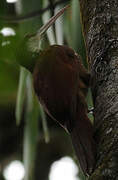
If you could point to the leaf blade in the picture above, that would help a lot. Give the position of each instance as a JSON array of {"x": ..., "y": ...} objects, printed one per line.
[{"x": 21, "y": 93}]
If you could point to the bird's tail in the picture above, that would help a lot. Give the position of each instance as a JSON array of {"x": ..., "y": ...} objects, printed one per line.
[{"x": 82, "y": 140}]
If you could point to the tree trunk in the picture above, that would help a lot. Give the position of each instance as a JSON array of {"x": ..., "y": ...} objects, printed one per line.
[{"x": 100, "y": 28}]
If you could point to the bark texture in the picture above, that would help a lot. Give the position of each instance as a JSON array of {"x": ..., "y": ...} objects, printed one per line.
[{"x": 100, "y": 28}]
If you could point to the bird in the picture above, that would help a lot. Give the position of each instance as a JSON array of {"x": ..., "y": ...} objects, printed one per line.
[{"x": 61, "y": 84}]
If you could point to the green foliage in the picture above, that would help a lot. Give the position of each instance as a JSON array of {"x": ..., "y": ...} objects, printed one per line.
[
  {"x": 73, "y": 30},
  {"x": 31, "y": 129},
  {"x": 44, "y": 124},
  {"x": 21, "y": 94}
]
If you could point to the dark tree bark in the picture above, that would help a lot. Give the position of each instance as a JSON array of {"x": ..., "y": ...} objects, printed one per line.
[{"x": 100, "y": 28}]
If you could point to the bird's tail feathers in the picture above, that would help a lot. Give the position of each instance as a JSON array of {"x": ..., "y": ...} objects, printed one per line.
[{"x": 82, "y": 139}]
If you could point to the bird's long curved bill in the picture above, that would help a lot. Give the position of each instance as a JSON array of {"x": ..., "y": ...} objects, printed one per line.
[
  {"x": 34, "y": 40},
  {"x": 45, "y": 27}
]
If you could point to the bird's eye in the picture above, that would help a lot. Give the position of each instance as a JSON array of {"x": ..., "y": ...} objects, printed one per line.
[{"x": 71, "y": 53}]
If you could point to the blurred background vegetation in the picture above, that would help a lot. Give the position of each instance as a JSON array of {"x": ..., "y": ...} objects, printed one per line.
[{"x": 26, "y": 134}]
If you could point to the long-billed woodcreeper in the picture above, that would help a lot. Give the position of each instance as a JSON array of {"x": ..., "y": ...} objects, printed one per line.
[{"x": 61, "y": 84}]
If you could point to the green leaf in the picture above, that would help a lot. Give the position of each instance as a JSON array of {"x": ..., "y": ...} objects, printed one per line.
[
  {"x": 44, "y": 124},
  {"x": 73, "y": 29},
  {"x": 21, "y": 94},
  {"x": 9, "y": 75},
  {"x": 30, "y": 130},
  {"x": 59, "y": 27},
  {"x": 76, "y": 25}
]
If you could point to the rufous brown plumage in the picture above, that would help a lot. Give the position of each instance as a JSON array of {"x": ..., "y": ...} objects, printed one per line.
[{"x": 61, "y": 84}]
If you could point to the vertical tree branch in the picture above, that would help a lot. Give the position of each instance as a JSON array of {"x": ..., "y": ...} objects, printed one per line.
[{"x": 100, "y": 28}]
